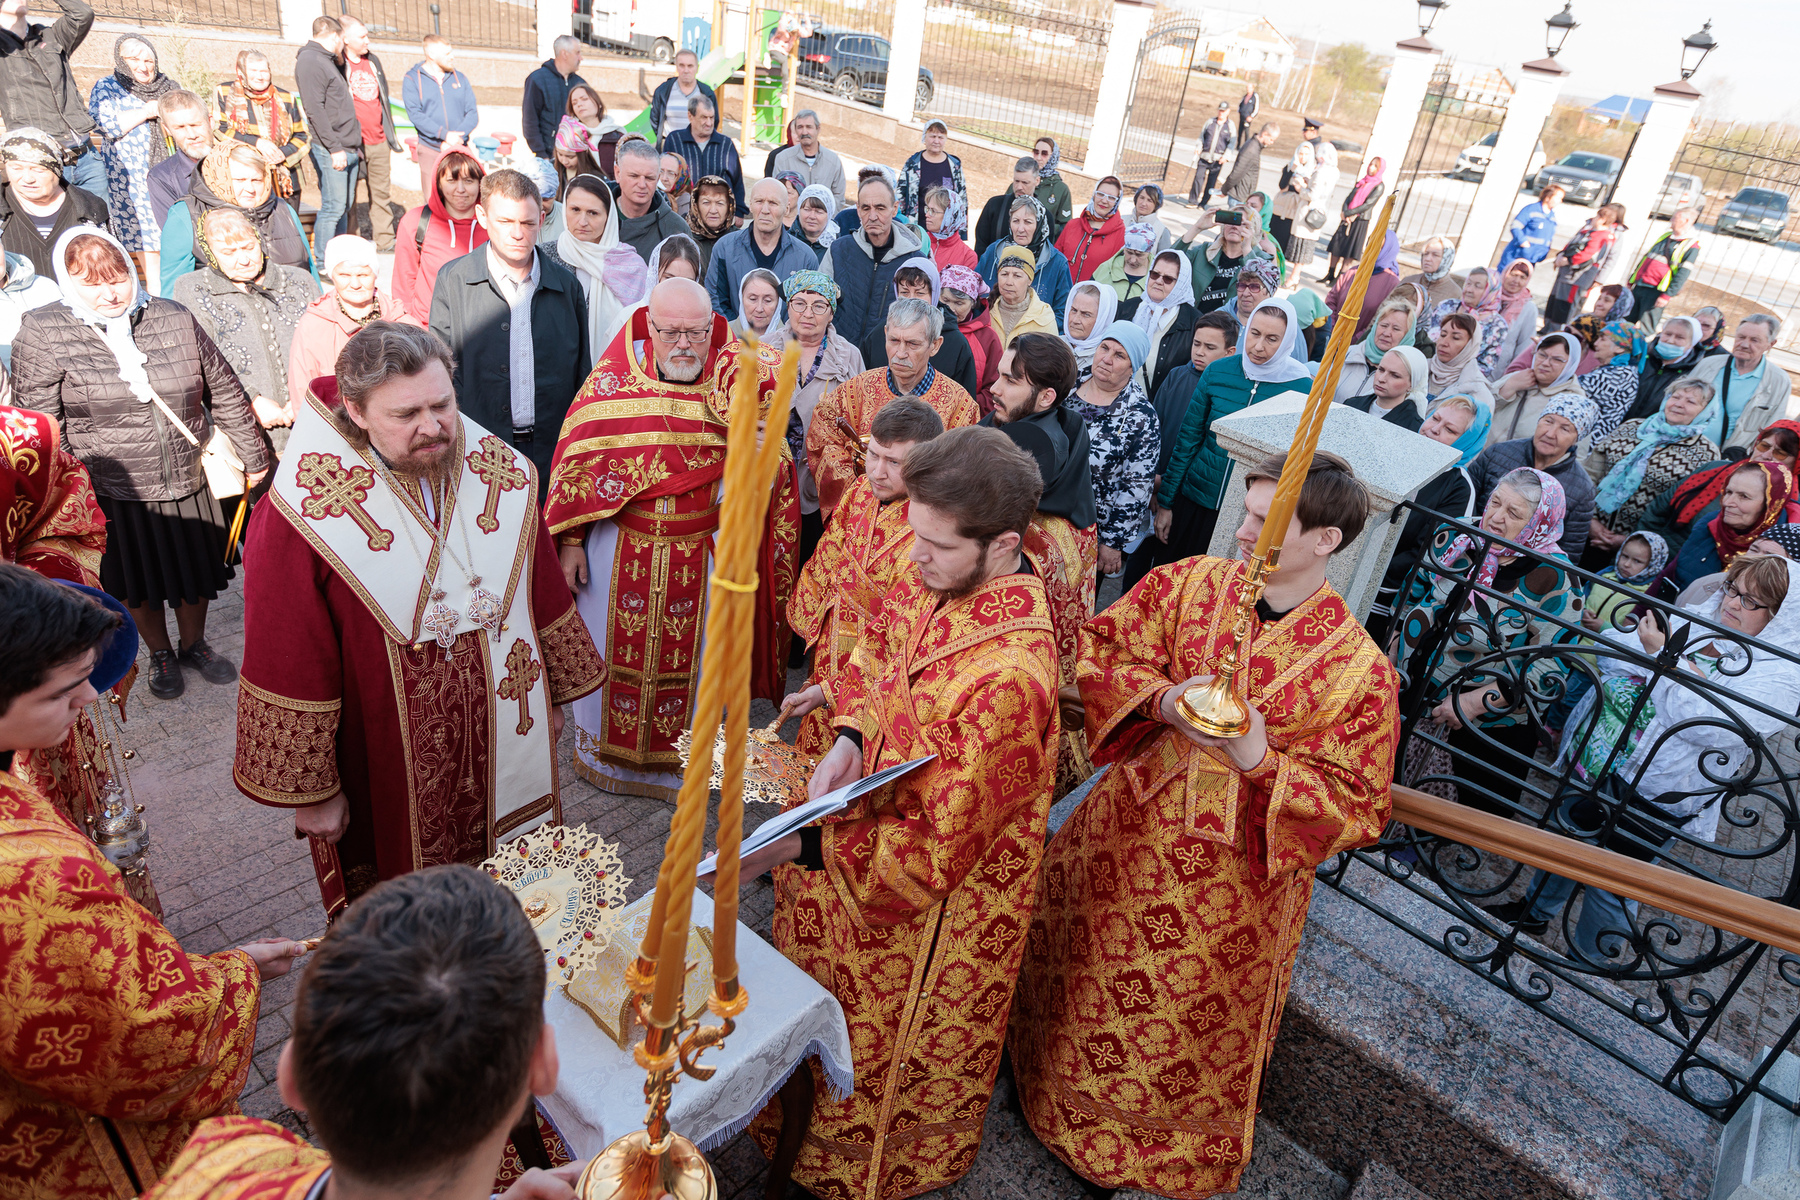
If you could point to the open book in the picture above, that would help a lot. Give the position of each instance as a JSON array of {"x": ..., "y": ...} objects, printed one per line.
[{"x": 782, "y": 824}]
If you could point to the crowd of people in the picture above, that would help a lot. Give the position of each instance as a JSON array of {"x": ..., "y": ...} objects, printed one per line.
[{"x": 991, "y": 419}]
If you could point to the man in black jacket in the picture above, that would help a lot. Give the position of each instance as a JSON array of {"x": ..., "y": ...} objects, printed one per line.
[
  {"x": 996, "y": 214},
  {"x": 38, "y": 89},
  {"x": 517, "y": 322},
  {"x": 35, "y": 206},
  {"x": 337, "y": 141},
  {"x": 668, "y": 104},
  {"x": 547, "y": 99},
  {"x": 375, "y": 118}
]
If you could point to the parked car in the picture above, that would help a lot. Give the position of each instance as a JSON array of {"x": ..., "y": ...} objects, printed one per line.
[
  {"x": 854, "y": 65},
  {"x": 1760, "y": 213},
  {"x": 1586, "y": 177},
  {"x": 1679, "y": 191},
  {"x": 1472, "y": 164}
]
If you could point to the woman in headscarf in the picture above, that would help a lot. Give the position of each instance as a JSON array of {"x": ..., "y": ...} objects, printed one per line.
[
  {"x": 1265, "y": 365},
  {"x": 1435, "y": 282},
  {"x": 1146, "y": 202},
  {"x": 1643, "y": 458},
  {"x": 1396, "y": 389},
  {"x": 1087, "y": 314},
  {"x": 1612, "y": 385},
  {"x": 1756, "y": 496},
  {"x": 574, "y": 153},
  {"x": 759, "y": 304},
  {"x": 1096, "y": 233},
  {"x": 1521, "y": 396},
  {"x": 1712, "y": 326},
  {"x": 123, "y": 104},
  {"x": 1518, "y": 594},
  {"x": 931, "y": 167},
  {"x": 1018, "y": 307},
  {"x": 676, "y": 183},
  {"x": 1257, "y": 280},
  {"x": 1166, "y": 314},
  {"x": 1123, "y": 441},
  {"x": 1353, "y": 227},
  {"x": 233, "y": 176},
  {"x": 1382, "y": 283},
  {"x": 609, "y": 271},
  {"x": 351, "y": 301},
  {"x": 1519, "y": 311},
  {"x": 1052, "y": 189},
  {"x": 827, "y": 359},
  {"x": 946, "y": 216},
  {"x": 268, "y": 119},
  {"x": 1673, "y": 354},
  {"x": 1029, "y": 229},
  {"x": 1452, "y": 363},
  {"x": 1392, "y": 326},
  {"x": 1125, "y": 272},
  {"x": 139, "y": 388},
  {"x": 812, "y": 219},
  {"x": 1292, "y": 203},
  {"x": 964, "y": 293},
  {"x": 711, "y": 216},
  {"x": 1694, "y": 501},
  {"x": 794, "y": 184},
  {"x": 1480, "y": 299}
]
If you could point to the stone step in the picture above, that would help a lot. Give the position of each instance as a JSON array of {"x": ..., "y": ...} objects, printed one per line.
[{"x": 1379, "y": 1182}]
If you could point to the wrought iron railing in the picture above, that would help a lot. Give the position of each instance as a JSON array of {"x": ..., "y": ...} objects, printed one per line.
[
  {"x": 489, "y": 24},
  {"x": 1684, "y": 995},
  {"x": 220, "y": 14}
]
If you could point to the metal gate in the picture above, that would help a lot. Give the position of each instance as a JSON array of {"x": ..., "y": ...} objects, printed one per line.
[
  {"x": 1158, "y": 93},
  {"x": 489, "y": 24},
  {"x": 1748, "y": 180},
  {"x": 1446, "y": 159}
]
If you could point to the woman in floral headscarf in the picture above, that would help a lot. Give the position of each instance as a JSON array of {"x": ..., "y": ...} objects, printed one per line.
[
  {"x": 676, "y": 182},
  {"x": 1694, "y": 501},
  {"x": 964, "y": 293},
  {"x": 252, "y": 110},
  {"x": 1619, "y": 348},
  {"x": 1480, "y": 299},
  {"x": 123, "y": 104},
  {"x": 574, "y": 151},
  {"x": 1028, "y": 228},
  {"x": 946, "y": 216},
  {"x": 710, "y": 217},
  {"x": 1756, "y": 496},
  {"x": 827, "y": 358}
]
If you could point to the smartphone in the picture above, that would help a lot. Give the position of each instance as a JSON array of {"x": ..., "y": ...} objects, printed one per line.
[{"x": 1228, "y": 217}]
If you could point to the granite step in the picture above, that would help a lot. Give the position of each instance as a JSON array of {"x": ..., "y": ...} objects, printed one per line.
[{"x": 1377, "y": 1181}]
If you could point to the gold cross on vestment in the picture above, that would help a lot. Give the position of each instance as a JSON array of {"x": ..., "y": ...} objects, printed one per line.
[
  {"x": 521, "y": 672},
  {"x": 334, "y": 491},
  {"x": 493, "y": 464}
]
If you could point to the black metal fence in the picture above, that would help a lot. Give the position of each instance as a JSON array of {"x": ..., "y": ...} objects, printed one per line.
[
  {"x": 487, "y": 24},
  {"x": 1687, "y": 1005},
  {"x": 1158, "y": 99},
  {"x": 1012, "y": 72},
  {"x": 1437, "y": 180},
  {"x": 262, "y": 15}
]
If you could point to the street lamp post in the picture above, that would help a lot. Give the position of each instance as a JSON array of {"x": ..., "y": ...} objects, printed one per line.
[
  {"x": 1428, "y": 14},
  {"x": 1557, "y": 30},
  {"x": 1694, "y": 49}
]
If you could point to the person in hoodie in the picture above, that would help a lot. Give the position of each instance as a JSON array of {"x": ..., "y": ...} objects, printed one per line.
[
  {"x": 646, "y": 217},
  {"x": 439, "y": 101},
  {"x": 812, "y": 219},
  {"x": 919, "y": 280},
  {"x": 1097, "y": 234},
  {"x": 350, "y": 302},
  {"x": 863, "y": 264},
  {"x": 441, "y": 229},
  {"x": 21, "y": 290}
]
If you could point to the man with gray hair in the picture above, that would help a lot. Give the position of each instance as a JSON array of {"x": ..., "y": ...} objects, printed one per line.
[
  {"x": 764, "y": 243},
  {"x": 408, "y": 638},
  {"x": 707, "y": 151},
  {"x": 645, "y": 215},
  {"x": 669, "y": 103},
  {"x": 810, "y": 160},
  {"x": 546, "y": 96},
  {"x": 1752, "y": 389}
]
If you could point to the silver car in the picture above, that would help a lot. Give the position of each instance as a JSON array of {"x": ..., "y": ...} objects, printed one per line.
[
  {"x": 1760, "y": 213},
  {"x": 1678, "y": 191}
]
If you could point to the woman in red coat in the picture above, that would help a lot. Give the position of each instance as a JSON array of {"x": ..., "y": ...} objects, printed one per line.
[
  {"x": 962, "y": 292},
  {"x": 946, "y": 216},
  {"x": 1097, "y": 234}
]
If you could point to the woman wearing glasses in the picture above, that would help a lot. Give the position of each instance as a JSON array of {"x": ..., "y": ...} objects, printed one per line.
[{"x": 827, "y": 358}]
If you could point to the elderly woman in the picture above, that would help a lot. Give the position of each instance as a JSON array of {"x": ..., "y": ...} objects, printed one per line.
[
  {"x": 232, "y": 176},
  {"x": 1694, "y": 501},
  {"x": 250, "y": 308},
  {"x": 1479, "y": 299},
  {"x": 812, "y": 222},
  {"x": 1018, "y": 307},
  {"x": 1256, "y": 282},
  {"x": 1433, "y": 279},
  {"x": 1673, "y": 354},
  {"x": 1146, "y": 202},
  {"x": 946, "y": 220},
  {"x": 123, "y": 104},
  {"x": 1644, "y": 458},
  {"x": 1712, "y": 325},
  {"x": 1096, "y": 233},
  {"x": 1757, "y": 496},
  {"x": 1123, "y": 441},
  {"x": 1028, "y": 229},
  {"x": 351, "y": 302},
  {"x": 1396, "y": 389},
  {"x": 1166, "y": 314},
  {"x": 931, "y": 167},
  {"x": 1124, "y": 273},
  {"x": 1612, "y": 385},
  {"x": 827, "y": 358},
  {"x": 609, "y": 271},
  {"x": 1519, "y": 311},
  {"x": 676, "y": 183},
  {"x": 1392, "y": 326},
  {"x": 1551, "y": 448},
  {"x": 1520, "y": 592},
  {"x": 964, "y": 293},
  {"x": 1087, "y": 314},
  {"x": 711, "y": 216},
  {"x": 137, "y": 386},
  {"x": 1521, "y": 396},
  {"x": 254, "y": 112}
]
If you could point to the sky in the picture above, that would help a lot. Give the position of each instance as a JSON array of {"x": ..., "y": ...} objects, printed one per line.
[{"x": 1621, "y": 46}]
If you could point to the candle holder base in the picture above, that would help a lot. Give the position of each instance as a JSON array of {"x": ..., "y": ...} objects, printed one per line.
[
  {"x": 632, "y": 1168},
  {"x": 1213, "y": 708}
]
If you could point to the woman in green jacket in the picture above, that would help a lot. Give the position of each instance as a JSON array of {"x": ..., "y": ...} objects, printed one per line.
[{"x": 1269, "y": 362}]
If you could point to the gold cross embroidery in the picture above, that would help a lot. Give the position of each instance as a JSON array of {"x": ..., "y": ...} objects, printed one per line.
[
  {"x": 634, "y": 569},
  {"x": 334, "y": 491},
  {"x": 521, "y": 672},
  {"x": 493, "y": 464}
]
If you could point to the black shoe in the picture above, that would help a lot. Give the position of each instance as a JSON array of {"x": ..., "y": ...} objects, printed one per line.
[
  {"x": 205, "y": 660},
  {"x": 165, "y": 675},
  {"x": 1513, "y": 913}
]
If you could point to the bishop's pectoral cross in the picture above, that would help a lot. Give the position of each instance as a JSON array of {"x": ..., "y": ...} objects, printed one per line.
[
  {"x": 493, "y": 464},
  {"x": 334, "y": 491},
  {"x": 522, "y": 672}
]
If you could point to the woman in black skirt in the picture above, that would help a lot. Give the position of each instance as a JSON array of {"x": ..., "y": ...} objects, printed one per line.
[
  {"x": 1353, "y": 230},
  {"x": 137, "y": 386}
]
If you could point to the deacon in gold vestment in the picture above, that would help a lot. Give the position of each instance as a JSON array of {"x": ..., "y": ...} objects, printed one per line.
[
  {"x": 911, "y": 906},
  {"x": 862, "y": 555},
  {"x": 1170, "y": 906}
]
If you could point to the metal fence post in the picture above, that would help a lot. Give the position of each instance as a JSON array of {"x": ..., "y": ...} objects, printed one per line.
[
  {"x": 1499, "y": 197},
  {"x": 1653, "y": 153},
  {"x": 1408, "y": 79},
  {"x": 905, "y": 44},
  {"x": 1130, "y": 22}
]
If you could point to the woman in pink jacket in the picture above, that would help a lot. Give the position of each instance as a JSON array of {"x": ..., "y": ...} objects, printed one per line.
[
  {"x": 442, "y": 228},
  {"x": 349, "y": 303}
]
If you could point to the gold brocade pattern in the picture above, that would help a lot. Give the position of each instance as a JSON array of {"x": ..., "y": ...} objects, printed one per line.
[
  {"x": 829, "y": 452},
  {"x": 1170, "y": 906},
  {"x": 286, "y": 748},
  {"x": 574, "y": 664},
  {"x": 104, "y": 1020},
  {"x": 917, "y": 923},
  {"x": 1067, "y": 559},
  {"x": 242, "y": 1158}
]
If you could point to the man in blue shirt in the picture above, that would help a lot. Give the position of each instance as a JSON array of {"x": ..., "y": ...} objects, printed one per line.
[
  {"x": 708, "y": 152},
  {"x": 1754, "y": 391}
]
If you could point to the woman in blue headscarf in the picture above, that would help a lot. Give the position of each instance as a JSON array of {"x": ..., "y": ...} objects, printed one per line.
[{"x": 1123, "y": 441}]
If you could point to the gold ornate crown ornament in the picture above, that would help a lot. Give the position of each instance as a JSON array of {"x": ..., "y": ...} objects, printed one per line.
[{"x": 571, "y": 885}]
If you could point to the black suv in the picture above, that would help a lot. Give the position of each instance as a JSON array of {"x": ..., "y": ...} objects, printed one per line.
[{"x": 855, "y": 66}]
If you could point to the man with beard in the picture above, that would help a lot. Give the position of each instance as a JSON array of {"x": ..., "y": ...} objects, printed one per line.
[
  {"x": 634, "y": 504},
  {"x": 929, "y": 880},
  {"x": 1063, "y": 542},
  {"x": 860, "y": 558},
  {"x": 408, "y": 637}
]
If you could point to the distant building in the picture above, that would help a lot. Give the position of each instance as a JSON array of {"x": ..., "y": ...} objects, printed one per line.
[{"x": 1239, "y": 44}]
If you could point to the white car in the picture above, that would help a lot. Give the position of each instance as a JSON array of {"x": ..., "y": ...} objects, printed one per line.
[
  {"x": 1679, "y": 191},
  {"x": 1472, "y": 164}
]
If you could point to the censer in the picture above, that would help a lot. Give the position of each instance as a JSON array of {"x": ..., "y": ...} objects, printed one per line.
[
  {"x": 1214, "y": 708},
  {"x": 655, "y": 1161}
]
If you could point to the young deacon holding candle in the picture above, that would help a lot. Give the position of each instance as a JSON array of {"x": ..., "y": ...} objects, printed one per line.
[
  {"x": 1169, "y": 908},
  {"x": 911, "y": 906}
]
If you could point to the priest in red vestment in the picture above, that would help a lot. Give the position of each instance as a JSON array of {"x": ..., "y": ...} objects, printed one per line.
[
  {"x": 633, "y": 505},
  {"x": 408, "y": 638},
  {"x": 863, "y": 554},
  {"x": 1171, "y": 904},
  {"x": 844, "y": 416},
  {"x": 114, "y": 1041},
  {"x": 911, "y": 905}
]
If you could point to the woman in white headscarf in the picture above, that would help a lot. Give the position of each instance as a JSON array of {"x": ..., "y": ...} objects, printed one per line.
[
  {"x": 759, "y": 304},
  {"x": 609, "y": 271},
  {"x": 1520, "y": 397},
  {"x": 1396, "y": 389},
  {"x": 1166, "y": 314},
  {"x": 1090, "y": 308}
]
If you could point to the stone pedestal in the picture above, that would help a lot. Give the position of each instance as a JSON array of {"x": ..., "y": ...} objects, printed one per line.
[
  {"x": 1392, "y": 462},
  {"x": 1759, "y": 1155}
]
